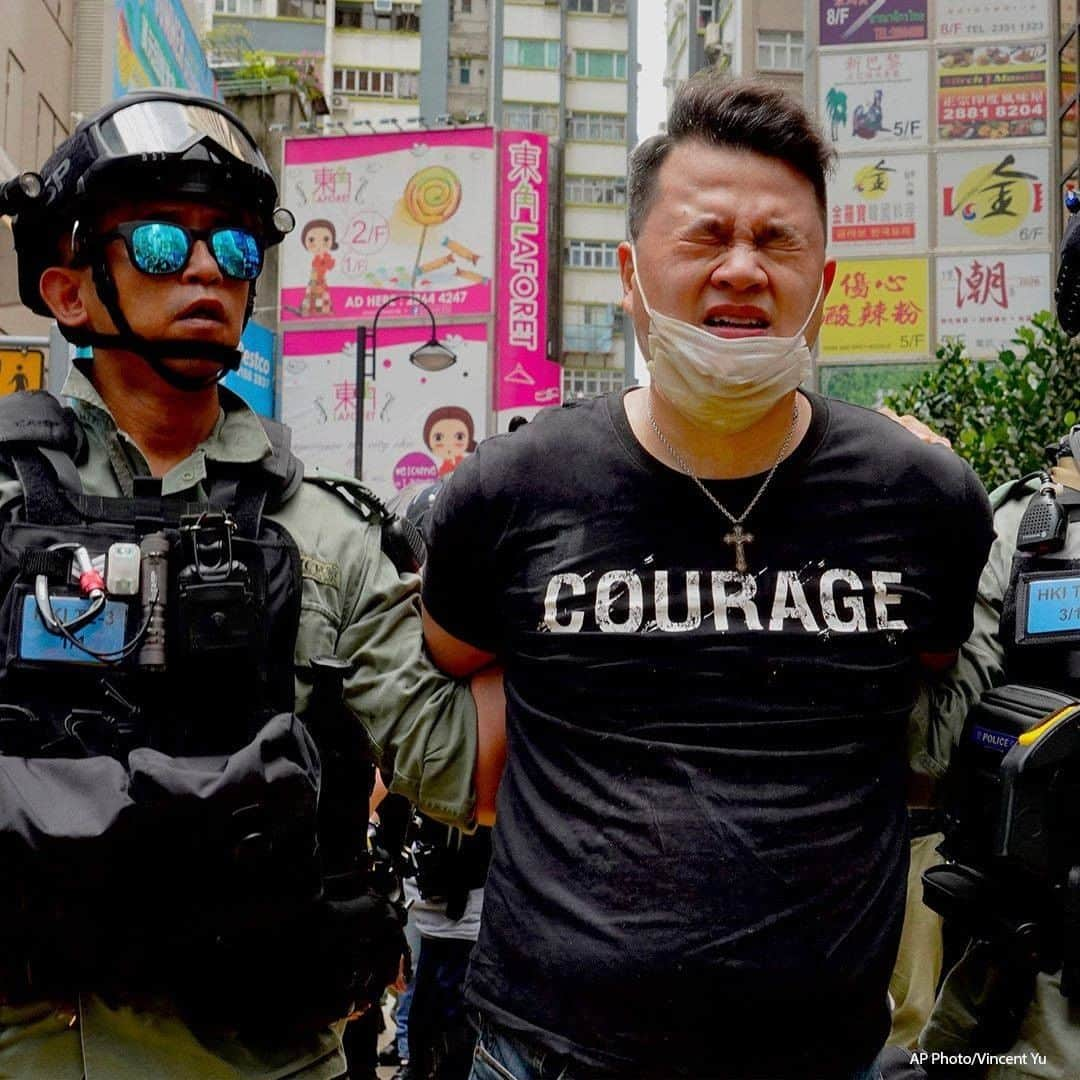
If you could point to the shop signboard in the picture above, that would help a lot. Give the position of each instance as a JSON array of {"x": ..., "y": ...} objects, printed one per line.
[
  {"x": 877, "y": 308},
  {"x": 879, "y": 203},
  {"x": 874, "y": 100}
]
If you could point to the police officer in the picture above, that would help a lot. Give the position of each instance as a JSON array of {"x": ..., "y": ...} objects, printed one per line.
[
  {"x": 1005, "y": 994},
  {"x": 183, "y": 615}
]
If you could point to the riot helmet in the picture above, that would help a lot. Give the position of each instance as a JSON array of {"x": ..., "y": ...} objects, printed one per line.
[{"x": 149, "y": 143}]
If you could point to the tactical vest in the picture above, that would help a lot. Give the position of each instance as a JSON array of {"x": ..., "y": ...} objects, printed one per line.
[
  {"x": 1040, "y": 618},
  {"x": 159, "y": 800}
]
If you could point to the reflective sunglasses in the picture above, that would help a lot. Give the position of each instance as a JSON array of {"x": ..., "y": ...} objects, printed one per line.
[{"x": 163, "y": 247}]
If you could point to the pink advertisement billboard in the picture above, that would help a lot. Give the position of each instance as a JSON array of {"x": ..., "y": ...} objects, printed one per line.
[
  {"x": 417, "y": 425},
  {"x": 379, "y": 215},
  {"x": 525, "y": 378}
]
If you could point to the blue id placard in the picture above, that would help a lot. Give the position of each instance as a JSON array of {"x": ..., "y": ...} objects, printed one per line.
[
  {"x": 1053, "y": 605},
  {"x": 105, "y": 634}
]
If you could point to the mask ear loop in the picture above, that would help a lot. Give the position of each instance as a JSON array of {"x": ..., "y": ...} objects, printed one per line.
[{"x": 637, "y": 281}]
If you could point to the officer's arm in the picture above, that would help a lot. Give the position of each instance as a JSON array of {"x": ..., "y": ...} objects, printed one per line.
[
  {"x": 946, "y": 697},
  {"x": 460, "y": 659}
]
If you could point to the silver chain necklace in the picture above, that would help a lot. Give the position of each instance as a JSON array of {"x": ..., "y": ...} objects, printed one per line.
[{"x": 738, "y": 536}]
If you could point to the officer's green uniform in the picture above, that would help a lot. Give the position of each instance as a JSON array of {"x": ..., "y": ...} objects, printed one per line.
[
  {"x": 421, "y": 726},
  {"x": 1051, "y": 1027}
]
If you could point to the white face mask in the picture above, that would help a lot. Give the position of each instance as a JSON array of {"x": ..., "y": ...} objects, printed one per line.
[{"x": 724, "y": 384}]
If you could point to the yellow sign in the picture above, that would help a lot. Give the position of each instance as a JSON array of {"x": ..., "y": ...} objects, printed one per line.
[
  {"x": 872, "y": 181},
  {"x": 877, "y": 309},
  {"x": 21, "y": 370}
]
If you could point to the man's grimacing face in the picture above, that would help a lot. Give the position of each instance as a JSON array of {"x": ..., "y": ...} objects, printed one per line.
[{"x": 733, "y": 242}]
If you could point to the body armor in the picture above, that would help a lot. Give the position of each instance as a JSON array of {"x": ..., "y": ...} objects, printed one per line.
[
  {"x": 160, "y": 802},
  {"x": 1012, "y": 818}
]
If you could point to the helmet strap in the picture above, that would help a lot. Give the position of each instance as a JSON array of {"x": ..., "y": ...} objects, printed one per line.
[{"x": 154, "y": 352}]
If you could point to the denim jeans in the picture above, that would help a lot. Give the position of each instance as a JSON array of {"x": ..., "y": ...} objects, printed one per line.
[
  {"x": 404, "y": 1005},
  {"x": 504, "y": 1055}
]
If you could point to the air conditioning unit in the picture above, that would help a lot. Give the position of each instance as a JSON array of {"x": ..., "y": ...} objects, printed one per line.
[
  {"x": 383, "y": 7},
  {"x": 339, "y": 101},
  {"x": 618, "y": 7}
]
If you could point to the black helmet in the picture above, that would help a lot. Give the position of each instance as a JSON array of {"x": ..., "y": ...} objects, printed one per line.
[{"x": 153, "y": 142}]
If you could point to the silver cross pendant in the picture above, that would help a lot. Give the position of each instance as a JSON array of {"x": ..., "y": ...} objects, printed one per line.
[{"x": 740, "y": 538}]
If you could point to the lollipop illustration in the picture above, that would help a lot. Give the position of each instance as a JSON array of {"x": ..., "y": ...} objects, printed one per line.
[{"x": 432, "y": 197}]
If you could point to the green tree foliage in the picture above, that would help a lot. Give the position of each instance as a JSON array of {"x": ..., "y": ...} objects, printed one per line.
[{"x": 1001, "y": 413}]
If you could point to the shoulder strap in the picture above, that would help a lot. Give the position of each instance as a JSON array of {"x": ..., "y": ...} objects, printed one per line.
[
  {"x": 41, "y": 440},
  {"x": 1013, "y": 489},
  {"x": 401, "y": 541},
  {"x": 248, "y": 492}
]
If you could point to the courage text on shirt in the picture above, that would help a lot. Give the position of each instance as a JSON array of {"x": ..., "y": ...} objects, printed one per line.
[{"x": 835, "y": 600}]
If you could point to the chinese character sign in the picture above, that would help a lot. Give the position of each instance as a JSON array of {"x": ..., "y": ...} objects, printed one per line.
[
  {"x": 418, "y": 425},
  {"x": 878, "y": 204},
  {"x": 992, "y": 91},
  {"x": 524, "y": 375},
  {"x": 983, "y": 298},
  {"x": 874, "y": 101},
  {"x": 877, "y": 308},
  {"x": 1002, "y": 18},
  {"x": 378, "y": 215},
  {"x": 993, "y": 197},
  {"x": 855, "y": 22}
]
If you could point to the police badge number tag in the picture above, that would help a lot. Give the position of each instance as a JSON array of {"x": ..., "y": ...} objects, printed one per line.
[{"x": 1051, "y": 606}]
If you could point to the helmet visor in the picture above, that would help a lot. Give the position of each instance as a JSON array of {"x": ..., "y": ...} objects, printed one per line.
[{"x": 171, "y": 127}]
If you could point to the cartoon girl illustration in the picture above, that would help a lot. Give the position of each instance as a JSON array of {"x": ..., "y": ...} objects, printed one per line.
[
  {"x": 320, "y": 238},
  {"x": 449, "y": 435}
]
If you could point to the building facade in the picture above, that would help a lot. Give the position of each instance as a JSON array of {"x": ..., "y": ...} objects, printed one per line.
[
  {"x": 745, "y": 37},
  {"x": 569, "y": 70},
  {"x": 37, "y": 52},
  {"x": 566, "y": 69}
]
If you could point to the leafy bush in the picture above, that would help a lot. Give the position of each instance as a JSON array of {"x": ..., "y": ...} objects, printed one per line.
[{"x": 1000, "y": 414}]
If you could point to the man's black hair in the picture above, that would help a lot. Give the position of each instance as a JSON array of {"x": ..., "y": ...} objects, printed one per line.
[{"x": 740, "y": 114}]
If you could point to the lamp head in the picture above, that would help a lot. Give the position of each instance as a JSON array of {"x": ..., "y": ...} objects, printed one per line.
[{"x": 434, "y": 356}]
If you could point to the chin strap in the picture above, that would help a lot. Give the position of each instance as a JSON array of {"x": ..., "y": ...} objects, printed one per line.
[{"x": 154, "y": 352}]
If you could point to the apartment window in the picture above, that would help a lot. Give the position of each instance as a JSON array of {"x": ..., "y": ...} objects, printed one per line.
[
  {"x": 238, "y": 7},
  {"x": 464, "y": 72},
  {"x": 592, "y": 254},
  {"x": 531, "y": 53},
  {"x": 597, "y": 190},
  {"x": 399, "y": 84},
  {"x": 402, "y": 18},
  {"x": 598, "y": 64},
  {"x": 303, "y": 9},
  {"x": 780, "y": 50},
  {"x": 527, "y": 116},
  {"x": 596, "y": 127},
  {"x": 581, "y": 383},
  {"x": 11, "y": 135},
  {"x": 706, "y": 12},
  {"x": 464, "y": 7},
  {"x": 590, "y": 7}
]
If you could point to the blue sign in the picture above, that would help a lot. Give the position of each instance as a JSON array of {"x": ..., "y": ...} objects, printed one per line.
[
  {"x": 105, "y": 634},
  {"x": 254, "y": 382},
  {"x": 156, "y": 45},
  {"x": 1053, "y": 605}
]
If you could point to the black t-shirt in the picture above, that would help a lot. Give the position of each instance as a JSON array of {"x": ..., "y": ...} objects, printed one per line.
[{"x": 701, "y": 846}]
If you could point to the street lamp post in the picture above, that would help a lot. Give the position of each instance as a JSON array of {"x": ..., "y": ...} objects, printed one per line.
[{"x": 431, "y": 356}]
